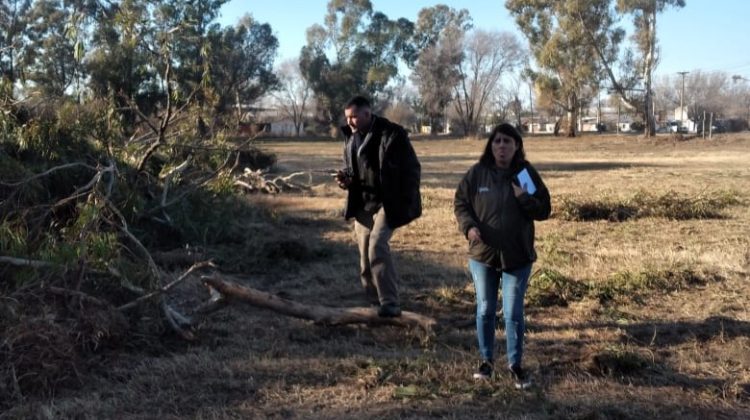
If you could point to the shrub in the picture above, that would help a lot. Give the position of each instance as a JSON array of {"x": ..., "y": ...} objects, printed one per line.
[
  {"x": 617, "y": 361},
  {"x": 669, "y": 205},
  {"x": 548, "y": 287}
]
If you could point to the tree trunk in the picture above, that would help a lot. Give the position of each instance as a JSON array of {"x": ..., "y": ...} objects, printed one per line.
[
  {"x": 433, "y": 126},
  {"x": 650, "y": 129},
  {"x": 238, "y": 104},
  {"x": 570, "y": 130},
  {"x": 518, "y": 109}
]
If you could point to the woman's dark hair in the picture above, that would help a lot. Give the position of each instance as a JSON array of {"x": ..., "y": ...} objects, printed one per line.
[{"x": 519, "y": 159}]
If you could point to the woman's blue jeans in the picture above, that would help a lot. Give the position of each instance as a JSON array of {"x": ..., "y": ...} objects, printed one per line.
[{"x": 486, "y": 283}]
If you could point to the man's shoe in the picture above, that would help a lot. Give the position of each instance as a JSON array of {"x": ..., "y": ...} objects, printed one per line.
[
  {"x": 520, "y": 379},
  {"x": 484, "y": 371},
  {"x": 389, "y": 310}
]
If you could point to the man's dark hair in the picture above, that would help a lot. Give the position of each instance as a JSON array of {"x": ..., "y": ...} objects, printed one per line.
[
  {"x": 519, "y": 159},
  {"x": 358, "y": 101}
]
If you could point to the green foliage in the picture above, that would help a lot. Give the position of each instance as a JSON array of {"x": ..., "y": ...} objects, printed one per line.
[
  {"x": 108, "y": 86},
  {"x": 13, "y": 238},
  {"x": 548, "y": 287},
  {"x": 551, "y": 251},
  {"x": 436, "y": 22},
  {"x": 564, "y": 37},
  {"x": 364, "y": 47},
  {"x": 240, "y": 62},
  {"x": 13, "y": 28},
  {"x": 66, "y": 132},
  {"x": 10, "y": 169}
]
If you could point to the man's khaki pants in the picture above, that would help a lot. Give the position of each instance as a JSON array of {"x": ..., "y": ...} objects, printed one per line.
[{"x": 377, "y": 272}]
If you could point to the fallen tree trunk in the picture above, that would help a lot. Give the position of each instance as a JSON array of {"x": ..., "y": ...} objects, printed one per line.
[{"x": 319, "y": 314}]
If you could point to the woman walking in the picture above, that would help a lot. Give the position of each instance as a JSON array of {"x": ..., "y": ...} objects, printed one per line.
[{"x": 496, "y": 204}]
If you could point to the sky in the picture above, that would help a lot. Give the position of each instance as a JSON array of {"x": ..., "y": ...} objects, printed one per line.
[{"x": 706, "y": 35}]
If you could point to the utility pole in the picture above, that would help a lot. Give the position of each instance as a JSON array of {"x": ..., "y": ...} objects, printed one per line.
[
  {"x": 682, "y": 95},
  {"x": 531, "y": 111}
]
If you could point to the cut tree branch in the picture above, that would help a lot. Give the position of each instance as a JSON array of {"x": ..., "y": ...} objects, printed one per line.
[
  {"x": 177, "y": 321},
  {"x": 167, "y": 286},
  {"x": 123, "y": 227},
  {"x": 316, "y": 313},
  {"x": 47, "y": 172},
  {"x": 22, "y": 262}
]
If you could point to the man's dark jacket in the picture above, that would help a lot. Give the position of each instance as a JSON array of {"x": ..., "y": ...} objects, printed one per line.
[
  {"x": 485, "y": 200},
  {"x": 387, "y": 160}
]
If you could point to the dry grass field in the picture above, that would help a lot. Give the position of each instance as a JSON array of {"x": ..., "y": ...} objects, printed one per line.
[{"x": 643, "y": 316}]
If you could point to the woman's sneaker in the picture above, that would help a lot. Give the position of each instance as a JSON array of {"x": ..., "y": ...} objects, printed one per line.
[
  {"x": 484, "y": 371},
  {"x": 520, "y": 379}
]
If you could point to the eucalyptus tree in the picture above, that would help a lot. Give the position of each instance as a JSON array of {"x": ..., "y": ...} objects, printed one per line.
[
  {"x": 240, "y": 63},
  {"x": 565, "y": 58},
  {"x": 438, "y": 37},
  {"x": 637, "y": 65},
  {"x": 13, "y": 26},
  {"x": 355, "y": 51},
  {"x": 56, "y": 36},
  {"x": 118, "y": 63},
  {"x": 644, "y": 14}
]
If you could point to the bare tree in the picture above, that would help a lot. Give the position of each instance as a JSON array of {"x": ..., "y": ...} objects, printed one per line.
[
  {"x": 489, "y": 55},
  {"x": 666, "y": 93},
  {"x": 400, "y": 112},
  {"x": 740, "y": 98},
  {"x": 726, "y": 96},
  {"x": 604, "y": 37},
  {"x": 707, "y": 92},
  {"x": 506, "y": 105},
  {"x": 293, "y": 95}
]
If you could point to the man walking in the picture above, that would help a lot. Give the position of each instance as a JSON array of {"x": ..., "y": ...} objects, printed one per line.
[{"x": 382, "y": 176}]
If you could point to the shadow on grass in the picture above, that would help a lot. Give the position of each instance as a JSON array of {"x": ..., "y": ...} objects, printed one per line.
[
  {"x": 643, "y": 356},
  {"x": 589, "y": 166},
  {"x": 666, "y": 333}
]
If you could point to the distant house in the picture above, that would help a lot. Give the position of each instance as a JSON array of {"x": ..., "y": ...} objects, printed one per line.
[
  {"x": 681, "y": 114},
  {"x": 269, "y": 120},
  {"x": 587, "y": 124},
  {"x": 683, "y": 122},
  {"x": 284, "y": 127},
  {"x": 542, "y": 128}
]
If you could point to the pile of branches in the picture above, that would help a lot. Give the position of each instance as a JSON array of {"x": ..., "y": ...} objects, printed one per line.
[
  {"x": 88, "y": 212},
  {"x": 79, "y": 289},
  {"x": 82, "y": 208},
  {"x": 258, "y": 180}
]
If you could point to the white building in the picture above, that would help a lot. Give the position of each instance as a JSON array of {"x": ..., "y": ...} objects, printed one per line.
[{"x": 284, "y": 127}]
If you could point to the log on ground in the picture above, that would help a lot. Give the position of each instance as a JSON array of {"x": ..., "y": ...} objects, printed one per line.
[{"x": 319, "y": 314}]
